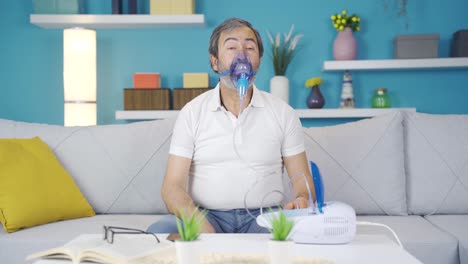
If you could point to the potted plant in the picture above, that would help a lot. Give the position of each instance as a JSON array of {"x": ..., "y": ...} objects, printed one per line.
[
  {"x": 280, "y": 247},
  {"x": 283, "y": 51},
  {"x": 189, "y": 228},
  {"x": 345, "y": 46}
]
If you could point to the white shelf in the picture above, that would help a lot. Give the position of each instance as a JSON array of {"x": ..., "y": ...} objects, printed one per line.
[
  {"x": 395, "y": 64},
  {"x": 347, "y": 113},
  {"x": 145, "y": 114},
  {"x": 302, "y": 113},
  {"x": 117, "y": 21}
]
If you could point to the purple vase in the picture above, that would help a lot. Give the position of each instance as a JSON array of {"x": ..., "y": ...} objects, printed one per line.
[
  {"x": 344, "y": 46},
  {"x": 315, "y": 98}
]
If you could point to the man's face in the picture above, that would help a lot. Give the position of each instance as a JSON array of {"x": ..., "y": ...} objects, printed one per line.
[{"x": 230, "y": 43}]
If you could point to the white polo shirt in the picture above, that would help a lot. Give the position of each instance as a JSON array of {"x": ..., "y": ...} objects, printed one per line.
[{"x": 221, "y": 173}]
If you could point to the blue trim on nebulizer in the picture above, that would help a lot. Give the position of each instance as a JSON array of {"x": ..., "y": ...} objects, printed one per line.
[{"x": 318, "y": 186}]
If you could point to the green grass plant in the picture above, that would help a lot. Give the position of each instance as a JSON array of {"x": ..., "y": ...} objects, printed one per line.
[
  {"x": 281, "y": 226},
  {"x": 190, "y": 226}
]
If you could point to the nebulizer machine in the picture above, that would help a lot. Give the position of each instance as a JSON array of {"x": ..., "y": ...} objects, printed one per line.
[
  {"x": 322, "y": 222},
  {"x": 330, "y": 222}
]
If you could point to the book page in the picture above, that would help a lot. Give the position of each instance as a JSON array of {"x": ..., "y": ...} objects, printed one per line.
[
  {"x": 70, "y": 250},
  {"x": 127, "y": 248},
  {"x": 92, "y": 247}
]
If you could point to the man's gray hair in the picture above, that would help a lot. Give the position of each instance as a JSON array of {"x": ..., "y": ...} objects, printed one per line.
[{"x": 228, "y": 25}]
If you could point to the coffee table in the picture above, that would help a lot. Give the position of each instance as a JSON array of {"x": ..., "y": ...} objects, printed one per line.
[{"x": 363, "y": 249}]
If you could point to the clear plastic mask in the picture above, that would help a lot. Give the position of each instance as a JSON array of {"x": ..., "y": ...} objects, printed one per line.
[{"x": 240, "y": 74}]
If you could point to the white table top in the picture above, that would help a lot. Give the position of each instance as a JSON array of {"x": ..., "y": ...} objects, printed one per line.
[{"x": 363, "y": 249}]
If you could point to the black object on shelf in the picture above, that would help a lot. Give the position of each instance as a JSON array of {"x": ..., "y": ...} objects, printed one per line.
[
  {"x": 460, "y": 44},
  {"x": 133, "y": 7},
  {"x": 117, "y": 7}
]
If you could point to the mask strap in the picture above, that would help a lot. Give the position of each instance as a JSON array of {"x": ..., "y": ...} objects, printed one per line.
[{"x": 226, "y": 73}]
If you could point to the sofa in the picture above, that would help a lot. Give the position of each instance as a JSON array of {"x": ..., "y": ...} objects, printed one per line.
[{"x": 407, "y": 170}]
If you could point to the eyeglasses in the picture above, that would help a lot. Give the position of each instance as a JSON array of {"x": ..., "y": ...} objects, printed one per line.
[{"x": 110, "y": 231}]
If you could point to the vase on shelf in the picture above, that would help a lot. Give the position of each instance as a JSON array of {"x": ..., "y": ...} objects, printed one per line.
[
  {"x": 315, "y": 99},
  {"x": 345, "y": 46},
  {"x": 380, "y": 99},
  {"x": 279, "y": 87}
]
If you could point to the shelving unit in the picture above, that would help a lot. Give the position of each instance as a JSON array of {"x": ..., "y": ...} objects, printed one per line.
[
  {"x": 406, "y": 64},
  {"x": 117, "y": 21},
  {"x": 302, "y": 113}
]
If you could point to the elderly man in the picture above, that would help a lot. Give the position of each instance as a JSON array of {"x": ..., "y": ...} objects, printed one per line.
[{"x": 230, "y": 147}]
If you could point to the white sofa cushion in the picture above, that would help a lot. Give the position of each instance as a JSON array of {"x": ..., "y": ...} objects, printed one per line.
[
  {"x": 457, "y": 226},
  {"x": 362, "y": 163},
  {"x": 419, "y": 237},
  {"x": 437, "y": 163},
  {"x": 118, "y": 168}
]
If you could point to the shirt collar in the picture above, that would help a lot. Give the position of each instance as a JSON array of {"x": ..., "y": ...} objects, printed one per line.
[{"x": 214, "y": 103}]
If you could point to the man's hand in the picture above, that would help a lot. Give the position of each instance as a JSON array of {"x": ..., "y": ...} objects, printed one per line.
[{"x": 299, "y": 202}]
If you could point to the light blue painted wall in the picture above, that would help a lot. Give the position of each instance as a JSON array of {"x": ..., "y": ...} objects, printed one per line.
[{"x": 31, "y": 57}]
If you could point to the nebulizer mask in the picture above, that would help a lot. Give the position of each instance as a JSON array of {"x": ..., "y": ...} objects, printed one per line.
[{"x": 240, "y": 75}]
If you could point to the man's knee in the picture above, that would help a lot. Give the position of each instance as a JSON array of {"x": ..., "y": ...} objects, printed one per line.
[{"x": 166, "y": 224}]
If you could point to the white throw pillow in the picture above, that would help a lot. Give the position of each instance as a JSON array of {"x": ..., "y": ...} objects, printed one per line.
[
  {"x": 118, "y": 168},
  {"x": 437, "y": 163},
  {"x": 362, "y": 163}
]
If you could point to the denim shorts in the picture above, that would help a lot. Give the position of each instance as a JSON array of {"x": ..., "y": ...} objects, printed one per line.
[{"x": 230, "y": 221}]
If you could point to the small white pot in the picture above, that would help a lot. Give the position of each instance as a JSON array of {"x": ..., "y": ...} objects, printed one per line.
[
  {"x": 188, "y": 252},
  {"x": 281, "y": 252},
  {"x": 279, "y": 87}
]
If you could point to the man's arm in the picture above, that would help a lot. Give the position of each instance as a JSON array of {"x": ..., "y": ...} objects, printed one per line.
[
  {"x": 297, "y": 165},
  {"x": 174, "y": 189}
]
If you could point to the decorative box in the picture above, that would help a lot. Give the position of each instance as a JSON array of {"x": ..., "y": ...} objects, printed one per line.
[
  {"x": 57, "y": 6},
  {"x": 416, "y": 46},
  {"x": 183, "y": 7},
  {"x": 160, "y": 7},
  {"x": 147, "y": 99},
  {"x": 460, "y": 44},
  {"x": 146, "y": 80},
  {"x": 173, "y": 7},
  {"x": 182, "y": 96},
  {"x": 196, "y": 80}
]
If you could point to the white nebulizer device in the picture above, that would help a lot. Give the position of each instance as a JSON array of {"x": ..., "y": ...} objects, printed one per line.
[{"x": 321, "y": 223}]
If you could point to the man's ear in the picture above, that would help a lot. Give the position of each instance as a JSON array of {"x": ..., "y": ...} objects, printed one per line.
[{"x": 214, "y": 62}]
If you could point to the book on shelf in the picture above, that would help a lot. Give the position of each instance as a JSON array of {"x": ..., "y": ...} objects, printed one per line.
[{"x": 125, "y": 249}]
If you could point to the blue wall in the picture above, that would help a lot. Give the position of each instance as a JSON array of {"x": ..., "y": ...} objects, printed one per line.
[{"x": 31, "y": 57}]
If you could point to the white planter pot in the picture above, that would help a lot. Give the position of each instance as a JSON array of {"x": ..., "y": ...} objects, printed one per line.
[
  {"x": 281, "y": 252},
  {"x": 279, "y": 87},
  {"x": 188, "y": 252}
]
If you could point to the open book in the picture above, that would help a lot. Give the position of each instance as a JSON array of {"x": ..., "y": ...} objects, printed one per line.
[{"x": 126, "y": 249}]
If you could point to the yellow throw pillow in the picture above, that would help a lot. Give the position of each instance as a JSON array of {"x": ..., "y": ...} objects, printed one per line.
[{"x": 34, "y": 187}]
